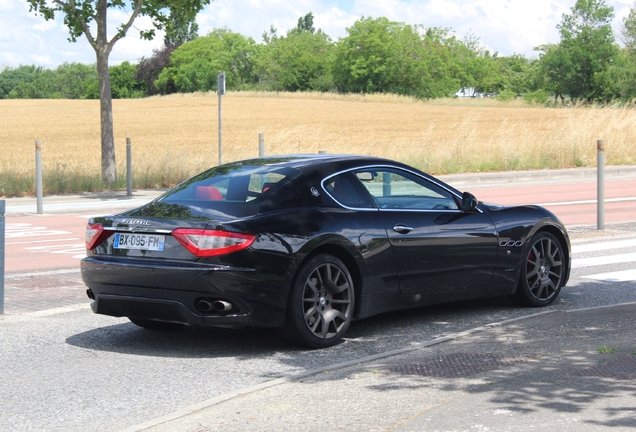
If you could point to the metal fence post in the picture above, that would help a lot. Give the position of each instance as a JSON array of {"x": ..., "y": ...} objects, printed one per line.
[
  {"x": 128, "y": 167},
  {"x": 38, "y": 175},
  {"x": 220, "y": 89},
  {"x": 261, "y": 144},
  {"x": 600, "y": 171},
  {"x": 2, "y": 209}
]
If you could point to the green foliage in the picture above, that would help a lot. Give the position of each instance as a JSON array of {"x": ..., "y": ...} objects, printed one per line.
[
  {"x": 123, "y": 81},
  {"x": 305, "y": 24},
  {"x": 478, "y": 69},
  {"x": 606, "y": 350},
  {"x": 67, "y": 81},
  {"x": 148, "y": 71},
  {"x": 180, "y": 29},
  {"x": 72, "y": 79},
  {"x": 379, "y": 55},
  {"x": 298, "y": 62},
  {"x": 506, "y": 95},
  {"x": 10, "y": 78},
  {"x": 579, "y": 64},
  {"x": 537, "y": 97},
  {"x": 196, "y": 64},
  {"x": 519, "y": 75}
]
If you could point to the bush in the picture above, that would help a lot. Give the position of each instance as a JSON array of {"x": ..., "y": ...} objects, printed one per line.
[
  {"x": 506, "y": 95},
  {"x": 537, "y": 97}
]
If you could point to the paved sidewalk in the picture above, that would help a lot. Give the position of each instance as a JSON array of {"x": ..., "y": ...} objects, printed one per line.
[
  {"x": 84, "y": 202},
  {"x": 547, "y": 372}
]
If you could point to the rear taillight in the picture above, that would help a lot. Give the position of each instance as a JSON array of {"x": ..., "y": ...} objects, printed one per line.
[
  {"x": 95, "y": 234},
  {"x": 207, "y": 243}
]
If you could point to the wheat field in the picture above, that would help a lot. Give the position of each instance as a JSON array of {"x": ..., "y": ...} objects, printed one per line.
[{"x": 174, "y": 137}]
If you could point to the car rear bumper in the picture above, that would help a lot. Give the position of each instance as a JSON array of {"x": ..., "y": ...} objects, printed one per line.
[{"x": 182, "y": 294}]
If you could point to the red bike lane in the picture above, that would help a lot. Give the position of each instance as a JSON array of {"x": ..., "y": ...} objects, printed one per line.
[
  {"x": 42, "y": 243},
  {"x": 573, "y": 203}
]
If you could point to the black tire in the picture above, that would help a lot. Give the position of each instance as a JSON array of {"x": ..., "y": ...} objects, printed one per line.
[
  {"x": 542, "y": 273},
  {"x": 155, "y": 325},
  {"x": 321, "y": 303}
]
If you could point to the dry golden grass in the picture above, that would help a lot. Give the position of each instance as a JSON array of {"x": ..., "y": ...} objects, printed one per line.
[{"x": 176, "y": 136}]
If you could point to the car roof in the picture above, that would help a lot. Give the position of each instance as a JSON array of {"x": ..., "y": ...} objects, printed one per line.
[{"x": 304, "y": 160}]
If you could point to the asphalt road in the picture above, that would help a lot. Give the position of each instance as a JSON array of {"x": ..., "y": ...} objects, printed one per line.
[{"x": 64, "y": 368}]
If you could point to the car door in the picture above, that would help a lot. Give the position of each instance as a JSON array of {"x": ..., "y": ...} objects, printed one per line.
[{"x": 436, "y": 245}]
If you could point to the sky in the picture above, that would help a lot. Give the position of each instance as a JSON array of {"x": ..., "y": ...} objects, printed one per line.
[{"x": 504, "y": 26}]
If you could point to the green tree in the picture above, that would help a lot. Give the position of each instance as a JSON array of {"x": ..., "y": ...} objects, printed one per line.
[
  {"x": 624, "y": 69},
  {"x": 379, "y": 55},
  {"x": 180, "y": 28},
  {"x": 587, "y": 49},
  {"x": 299, "y": 61},
  {"x": 72, "y": 80},
  {"x": 148, "y": 71},
  {"x": 195, "y": 64},
  {"x": 10, "y": 78},
  {"x": 40, "y": 84},
  {"x": 89, "y": 18},
  {"x": 556, "y": 65},
  {"x": 305, "y": 24},
  {"x": 514, "y": 74},
  {"x": 123, "y": 80},
  {"x": 477, "y": 68}
]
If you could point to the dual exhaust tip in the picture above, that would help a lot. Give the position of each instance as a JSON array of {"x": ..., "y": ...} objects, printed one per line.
[{"x": 214, "y": 306}]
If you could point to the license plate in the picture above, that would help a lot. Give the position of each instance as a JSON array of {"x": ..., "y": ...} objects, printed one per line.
[{"x": 151, "y": 242}]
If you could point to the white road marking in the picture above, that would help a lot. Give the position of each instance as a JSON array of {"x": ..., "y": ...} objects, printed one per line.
[
  {"x": 593, "y": 247},
  {"x": 53, "y": 246},
  {"x": 42, "y": 241},
  {"x": 34, "y": 232},
  {"x": 603, "y": 260},
  {"x": 619, "y": 276},
  {"x": 565, "y": 203}
]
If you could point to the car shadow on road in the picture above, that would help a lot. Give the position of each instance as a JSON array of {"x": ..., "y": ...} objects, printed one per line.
[
  {"x": 200, "y": 342},
  {"x": 370, "y": 336}
]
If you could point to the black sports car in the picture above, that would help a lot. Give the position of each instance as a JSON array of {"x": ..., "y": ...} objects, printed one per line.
[{"x": 308, "y": 243}]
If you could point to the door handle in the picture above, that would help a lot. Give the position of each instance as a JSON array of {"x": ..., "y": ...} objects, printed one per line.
[{"x": 402, "y": 229}]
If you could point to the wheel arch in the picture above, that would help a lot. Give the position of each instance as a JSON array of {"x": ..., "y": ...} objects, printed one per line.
[
  {"x": 559, "y": 234},
  {"x": 347, "y": 258},
  {"x": 558, "y": 231}
]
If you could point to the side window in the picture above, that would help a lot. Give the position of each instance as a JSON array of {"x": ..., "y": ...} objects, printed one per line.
[
  {"x": 346, "y": 190},
  {"x": 394, "y": 189}
]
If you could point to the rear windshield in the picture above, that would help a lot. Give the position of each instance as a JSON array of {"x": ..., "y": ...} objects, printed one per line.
[{"x": 234, "y": 189}]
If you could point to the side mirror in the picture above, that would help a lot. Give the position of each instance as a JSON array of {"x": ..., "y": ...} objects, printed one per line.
[{"x": 469, "y": 202}]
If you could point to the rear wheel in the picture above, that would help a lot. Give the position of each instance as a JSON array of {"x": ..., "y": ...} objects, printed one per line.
[
  {"x": 543, "y": 272},
  {"x": 321, "y": 303},
  {"x": 155, "y": 325}
]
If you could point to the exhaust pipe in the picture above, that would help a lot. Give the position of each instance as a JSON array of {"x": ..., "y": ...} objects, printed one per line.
[
  {"x": 204, "y": 305},
  {"x": 214, "y": 306},
  {"x": 222, "y": 306}
]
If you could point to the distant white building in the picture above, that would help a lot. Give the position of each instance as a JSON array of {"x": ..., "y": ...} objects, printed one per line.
[{"x": 467, "y": 92}]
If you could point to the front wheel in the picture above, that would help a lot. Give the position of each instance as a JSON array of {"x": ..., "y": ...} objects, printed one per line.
[
  {"x": 321, "y": 303},
  {"x": 543, "y": 272}
]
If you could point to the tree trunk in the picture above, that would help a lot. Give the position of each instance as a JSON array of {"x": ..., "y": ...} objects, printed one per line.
[
  {"x": 109, "y": 168},
  {"x": 102, "y": 51}
]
